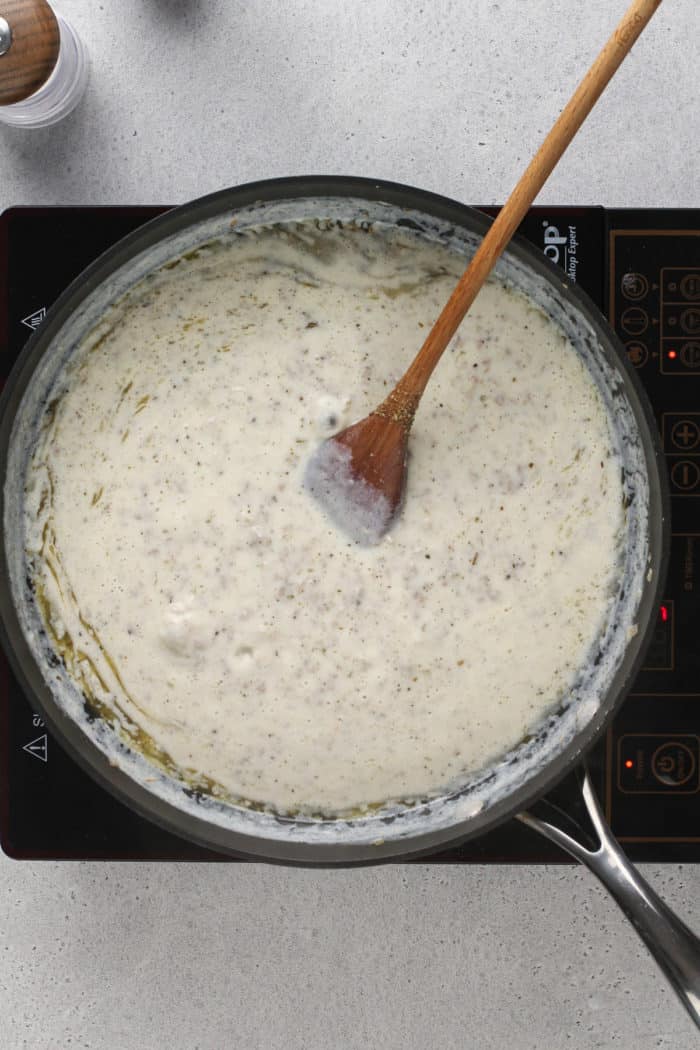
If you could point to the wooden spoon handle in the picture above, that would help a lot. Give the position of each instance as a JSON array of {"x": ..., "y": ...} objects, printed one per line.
[
  {"x": 513, "y": 212},
  {"x": 34, "y": 43}
]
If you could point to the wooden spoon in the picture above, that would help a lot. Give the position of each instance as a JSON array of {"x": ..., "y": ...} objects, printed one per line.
[{"x": 359, "y": 474}]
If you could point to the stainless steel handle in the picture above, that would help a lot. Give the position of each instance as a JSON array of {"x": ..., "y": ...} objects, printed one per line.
[{"x": 674, "y": 946}]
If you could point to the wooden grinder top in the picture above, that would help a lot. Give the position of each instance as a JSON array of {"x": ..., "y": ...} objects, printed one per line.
[{"x": 29, "y": 45}]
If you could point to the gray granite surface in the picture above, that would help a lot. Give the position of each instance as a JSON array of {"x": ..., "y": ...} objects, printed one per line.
[{"x": 187, "y": 97}]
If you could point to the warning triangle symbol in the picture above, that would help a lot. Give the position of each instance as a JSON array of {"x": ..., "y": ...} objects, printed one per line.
[{"x": 38, "y": 748}]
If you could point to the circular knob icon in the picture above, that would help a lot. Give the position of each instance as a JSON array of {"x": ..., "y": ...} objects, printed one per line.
[
  {"x": 637, "y": 354},
  {"x": 634, "y": 320},
  {"x": 685, "y": 434},
  {"x": 690, "y": 355},
  {"x": 690, "y": 286},
  {"x": 685, "y": 475},
  {"x": 690, "y": 320},
  {"x": 673, "y": 764},
  {"x": 634, "y": 285}
]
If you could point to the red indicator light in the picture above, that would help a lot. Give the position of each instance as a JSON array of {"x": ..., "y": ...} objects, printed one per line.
[
  {"x": 628, "y": 763},
  {"x": 664, "y": 613},
  {"x": 673, "y": 354}
]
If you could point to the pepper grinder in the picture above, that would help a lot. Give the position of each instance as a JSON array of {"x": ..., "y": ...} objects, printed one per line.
[{"x": 43, "y": 64}]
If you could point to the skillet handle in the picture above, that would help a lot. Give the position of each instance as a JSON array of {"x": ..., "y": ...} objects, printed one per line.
[
  {"x": 29, "y": 46},
  {"x": 673, "y": 945}
]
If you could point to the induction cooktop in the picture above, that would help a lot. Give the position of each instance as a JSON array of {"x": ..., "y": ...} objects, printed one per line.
[{"x": 642, "y": 268}]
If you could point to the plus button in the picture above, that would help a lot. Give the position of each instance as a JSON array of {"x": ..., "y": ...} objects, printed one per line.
[{"x": 685, "y": 434}]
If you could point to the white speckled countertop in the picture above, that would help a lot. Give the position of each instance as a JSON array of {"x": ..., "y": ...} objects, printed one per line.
[{"x": 188, "y": 96}]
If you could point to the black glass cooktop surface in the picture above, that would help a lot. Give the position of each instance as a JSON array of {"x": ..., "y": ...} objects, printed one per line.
[{"x": 643, "y": 270}]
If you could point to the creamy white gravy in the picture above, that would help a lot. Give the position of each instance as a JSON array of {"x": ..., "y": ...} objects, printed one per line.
[{"x": 193, "y": 586}]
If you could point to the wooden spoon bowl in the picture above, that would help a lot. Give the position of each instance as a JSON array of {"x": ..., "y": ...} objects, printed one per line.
[{"x": 359, "y": 475}]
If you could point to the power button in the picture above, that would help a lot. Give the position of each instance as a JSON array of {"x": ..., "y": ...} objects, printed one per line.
[
  {"x": 658, "y": 764},
  {"x": 673, "y": 764}
]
